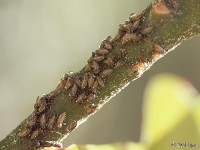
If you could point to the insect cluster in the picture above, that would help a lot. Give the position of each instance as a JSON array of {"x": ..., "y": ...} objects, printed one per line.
[
  {"x": 41, "y": 122},
  {"x": 84, "y": 87},
  {"x": 133, "y": 31}
]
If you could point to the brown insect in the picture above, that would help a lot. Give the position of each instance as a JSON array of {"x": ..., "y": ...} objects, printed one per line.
[
  {"x": 100, "y": 81},
  {"x": 78, "y": 82},
  {"x": 38, "y": 102},
  {"x": 32, "y": 122},
  {"x": 107, "y": 46},
  {"x": 60, "y": 85},
  {"x": 119, "y": 64},
  {"x": 90, "y": 108},
  {"x": 91, "y": 96},
  {"x": 123, "y": 27},
  {"x": 42, "y": 121},
  {"x": 106, "y": 72},
  {"x": 35, "y": 134},
  {"x": 74, "y": 90},
  {"x": 91, "y": 80},
  {"x": 138, "y": 66},
  {"x": 146, "y": 30},
  {"x": 69, "y": 83},
  {"x": 42, "y": 106},
  {"x": 96, "y": 68},
  {"x": 85, "y": 81},
  {"x": 108, "y": 61},
  {"x": 129, "y": 37},
  {"x": 155, "y": 56},
  {"x": 161, "y": 8},
  {"x": 107, "y": 43},
  {"x": 87, "y": 67},
  {"x": 159, "y": 49},
  {"x": 80, "y": 98},
  {"x": 136, "y": 24},
  {"x": 71, "y": 126},
  {"x": 98, "y": 58},
  {"x": 102, "y": 51},
  {"x": 51, "y": 122},
  {"x": 95, "y": 86},
  {"x": 134, "y": 17},
  {"x": 61, "y": 119},
  {"x": 25, "y": 133}
]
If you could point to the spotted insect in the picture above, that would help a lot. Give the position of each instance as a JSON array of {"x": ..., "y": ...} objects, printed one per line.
[
  {"x": 107, "y": 43},
  {"x": 109, "y": 61},
  {"x": 25, "y": 133},
  {"x": 123, "y": 27},
  {"x": 69, "y": 83},
  {"x": 155, "y": 56},
  {"x": 108, "y": 46},
  {"x": 95, "y": 86},
  {"x": 84, "y": 81},
  {"x": 77, "y": 81},
  {"x": 91, "y": 96},
  {"x": 91, "y": 80},
  {"x": 99, "y": 58},
  {"x": 129, "y": 27},
  {"x": 81, "y": 98},
  {"x": 35, "y": 134},
  {"x": 71, "y": 126},
  {"x": 100, "y": 81},
  {"x": 74, "y": 90},
  {"x": 32, "y": 122},
  {"x": 51, "y": 122},
  {"x": 136, "y": 24},
  {"x": 89, "y": 108},
  {"x": 129, "y": 37},
  {"x": 96, "y": 68},
  {"x": 134, "y": 17},
  {"x": 159, "y": 49},
  {"x": 42, "y": 121},
  {"x": 119, "y": 64},
  {"x": 102, "y": 51},
  {"x": 87, "y": 67},
  {"x": 106, "y": 72},
  {"x": 42, "y": 106},
  {"x": 146, "y": 30},
  {"x": 61, "y": 119},
  {"x": 137, "y": 67}
]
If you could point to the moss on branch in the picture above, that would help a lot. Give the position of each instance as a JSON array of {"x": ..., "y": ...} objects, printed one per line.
[{"x": 141, "y": 40}]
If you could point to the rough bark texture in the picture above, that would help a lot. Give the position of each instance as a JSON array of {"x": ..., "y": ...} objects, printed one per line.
[{"x": 140, "y": 41}]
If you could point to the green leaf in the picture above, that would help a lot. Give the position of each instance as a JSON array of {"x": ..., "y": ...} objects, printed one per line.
[
  {"x": 186, "y": 132},
  {"x": 167, "y": 102},
  {"x": 196, "y": 113},
  {"x": 120, "y": 146}
]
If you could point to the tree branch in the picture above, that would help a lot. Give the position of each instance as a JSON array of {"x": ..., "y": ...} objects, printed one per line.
[{"x": 140, "y": 41}]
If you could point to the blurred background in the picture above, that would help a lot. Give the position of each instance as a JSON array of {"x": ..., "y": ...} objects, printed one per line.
[{"x": 41, "y": 40}]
